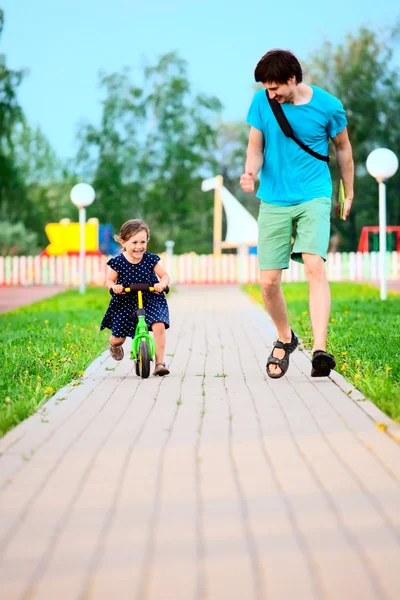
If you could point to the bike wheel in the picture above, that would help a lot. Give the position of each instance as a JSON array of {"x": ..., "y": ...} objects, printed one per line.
[{"x": 144, "y": 360}]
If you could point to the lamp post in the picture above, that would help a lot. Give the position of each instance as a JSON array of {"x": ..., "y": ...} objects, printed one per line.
[
  {"x": 82, "y": 195},
  {"x": 169, "y": 249},
  {"x": 382, "y": 164},
  {"x": 216, "y": 184}
]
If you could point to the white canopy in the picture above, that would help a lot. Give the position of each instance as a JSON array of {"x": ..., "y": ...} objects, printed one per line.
[{"x": 241, "y": 225}]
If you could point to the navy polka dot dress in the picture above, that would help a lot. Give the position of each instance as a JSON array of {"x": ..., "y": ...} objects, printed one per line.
[{"x": 121, "y": 314}]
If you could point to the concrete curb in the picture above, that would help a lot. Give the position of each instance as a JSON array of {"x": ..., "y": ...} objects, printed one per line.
[{"x": 382, "y": 421}]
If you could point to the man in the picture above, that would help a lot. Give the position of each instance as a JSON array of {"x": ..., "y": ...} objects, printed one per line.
[{"x": 295, "y": 188}]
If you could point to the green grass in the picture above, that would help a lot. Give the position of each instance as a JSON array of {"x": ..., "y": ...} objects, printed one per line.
[
  {"x": 45, "y": 346},
  {"x": 364, "y": 336}
]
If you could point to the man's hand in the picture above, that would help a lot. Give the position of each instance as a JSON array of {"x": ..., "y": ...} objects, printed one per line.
[
  {"x": 247, "y": 182},
  {"x": 346, "y": 208}
]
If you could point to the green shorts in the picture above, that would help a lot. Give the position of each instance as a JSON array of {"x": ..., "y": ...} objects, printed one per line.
[{"x": 275, "y": 231}]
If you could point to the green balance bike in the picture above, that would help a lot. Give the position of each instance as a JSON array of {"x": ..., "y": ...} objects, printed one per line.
[{"x": 143, "y": 348}]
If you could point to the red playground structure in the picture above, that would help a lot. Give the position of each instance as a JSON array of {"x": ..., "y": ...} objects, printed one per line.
[{"x": 393, "y": 242}]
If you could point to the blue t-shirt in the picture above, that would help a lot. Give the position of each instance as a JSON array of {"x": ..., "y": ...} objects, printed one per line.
[{"x": 290, "y": 175}]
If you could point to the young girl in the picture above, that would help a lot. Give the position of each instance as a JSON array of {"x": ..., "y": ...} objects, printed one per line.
[{"x": 136, "y": 265}]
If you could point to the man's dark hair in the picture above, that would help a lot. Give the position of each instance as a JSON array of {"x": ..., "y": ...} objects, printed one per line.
[{"x": 278, "y": 66}]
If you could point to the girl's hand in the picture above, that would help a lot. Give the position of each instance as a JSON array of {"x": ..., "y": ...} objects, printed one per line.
[
  {"x": 117, "y": 289},
  {"x": 158, "y": 288}
]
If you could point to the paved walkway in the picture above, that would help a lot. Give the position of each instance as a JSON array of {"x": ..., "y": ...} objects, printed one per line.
[
  {"x": 14, "y": 296},
  {"x": 213, "y": 483}
]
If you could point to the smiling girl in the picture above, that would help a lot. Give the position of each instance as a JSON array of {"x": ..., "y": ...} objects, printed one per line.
[{"x": 135, "y": 265}]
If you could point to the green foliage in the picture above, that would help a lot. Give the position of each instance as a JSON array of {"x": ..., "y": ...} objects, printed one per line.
[
  {"x": 364, "y": 336},
  {"x": 154, "y": 145},
  {"x": 12, "y": 189},
  {"x": 44, "y": 347},
  {"x": 360, "y": 72},
  {"x": 47, "y": 183},
  {"x": 15, "y": 240},
  {"x": 157, "y": 140}
]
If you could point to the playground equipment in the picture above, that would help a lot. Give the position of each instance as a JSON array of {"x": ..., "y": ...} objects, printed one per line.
[
  {"x": 392, "y": 241},
  {"x": 64, "y": 238},
  {"x": 242, "y": 227}
]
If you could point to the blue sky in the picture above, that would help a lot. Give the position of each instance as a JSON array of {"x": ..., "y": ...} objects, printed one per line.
[{"x": 64, "y": 44}]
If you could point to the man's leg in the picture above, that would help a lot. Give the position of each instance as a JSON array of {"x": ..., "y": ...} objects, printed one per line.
[
  {"x": 275, "y": 304},
  {"x": 319, "y": 298}
]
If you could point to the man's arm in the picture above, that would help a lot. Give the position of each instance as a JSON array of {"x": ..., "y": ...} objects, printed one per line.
[
  {"x": 254, "y": 160},
  {"x": 344, "y": 159}
]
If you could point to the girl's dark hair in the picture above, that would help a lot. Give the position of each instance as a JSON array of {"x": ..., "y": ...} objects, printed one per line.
[
  {"x": 278, "y": 66},
  {"x": 130, "y": 228}
]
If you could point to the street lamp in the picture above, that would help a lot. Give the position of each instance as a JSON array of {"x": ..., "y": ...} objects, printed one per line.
[
  {"x": 82, "y": 195},
  {"x": 382, "y": 164}
]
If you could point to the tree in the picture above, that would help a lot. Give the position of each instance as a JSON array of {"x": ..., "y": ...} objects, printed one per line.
[
  {"x": 155, "y": 143},
  {"x": 359, "y": 72},
  {"x": 15, "y": 239},
  {"x": 12, "y": 190},
  {"x": 47, "y": 181}
]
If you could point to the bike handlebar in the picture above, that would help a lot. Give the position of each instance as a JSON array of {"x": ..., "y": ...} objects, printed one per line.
[{"x": 139, "y": 287}]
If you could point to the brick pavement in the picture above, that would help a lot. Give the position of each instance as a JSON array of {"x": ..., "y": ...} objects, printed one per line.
[
  {"x": 213, "y": 483},
  {"x": 14, "y": 296}
]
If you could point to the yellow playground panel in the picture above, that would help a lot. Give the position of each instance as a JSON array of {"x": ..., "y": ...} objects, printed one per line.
[{"x": 64, "y": 237}]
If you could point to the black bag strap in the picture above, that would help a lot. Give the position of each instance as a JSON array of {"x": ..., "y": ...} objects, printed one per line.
[{"x": 287, "y": 128}]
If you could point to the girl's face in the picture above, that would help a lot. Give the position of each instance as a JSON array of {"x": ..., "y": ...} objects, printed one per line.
[{"x": 136, "y": 245}]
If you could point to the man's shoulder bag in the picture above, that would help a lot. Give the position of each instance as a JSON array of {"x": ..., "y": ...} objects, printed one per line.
[{"x": 287, "y": 128}]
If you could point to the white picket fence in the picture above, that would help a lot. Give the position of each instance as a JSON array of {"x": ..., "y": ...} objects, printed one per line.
[{"x": 190, "y": 268}]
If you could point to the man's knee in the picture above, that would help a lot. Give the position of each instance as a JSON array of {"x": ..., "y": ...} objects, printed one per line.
[
  {"x": 314, "y": 266},
  {"x": 270, "y": 281}
]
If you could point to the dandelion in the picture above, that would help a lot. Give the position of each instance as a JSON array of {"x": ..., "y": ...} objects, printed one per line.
[
  {"x": 344, "y": 353},
  {"x": 343, "y": 367},
  {"x": 74, "y": 326},
  {"x": 388, "y": 368},
  {"x": 46, "y": 321},
  {"x": 54, "y": 353},
  {"x": 358, "y": 361},
  {"x": 28, "y": 347},
  {"x": 332, "y": 320},
  {"x": 49, "y": 390},
  {"x": 346, "y": 312},
  {"x": 356, "y": 376},
  {"x": 304, "y": 312},
  {"x": 81, "y": 374},
  {"x": 48, "y": 361},
  {"x": 82, "y": 329}
]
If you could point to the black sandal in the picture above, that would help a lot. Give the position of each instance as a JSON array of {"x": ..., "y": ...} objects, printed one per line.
[
  {"x": 322, "y": 363},
  {"x": 283, "y": 363}
]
